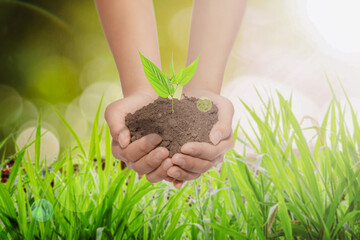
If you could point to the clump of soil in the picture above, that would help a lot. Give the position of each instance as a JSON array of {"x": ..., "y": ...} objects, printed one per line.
[
  {"x": 5, "y": 172},
  {"x": 186, "y": 124}
]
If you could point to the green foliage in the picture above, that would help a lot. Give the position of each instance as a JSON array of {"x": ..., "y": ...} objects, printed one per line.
[
  {"x": 163, "y": 84},
  {"x": 185, "y": 74},
  {"x": 158, "y": 80},
  {"x": 291, "y": 191}
]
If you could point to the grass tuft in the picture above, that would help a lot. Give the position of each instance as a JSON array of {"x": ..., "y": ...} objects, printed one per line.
[{"x": 293, "y": 190}]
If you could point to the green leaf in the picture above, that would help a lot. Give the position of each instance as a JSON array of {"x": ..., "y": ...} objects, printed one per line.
[
  {"x": 172, "y": 71},
  {"x": 156, "y": 77},
  {"x": 14, "y": 170},
  {"x": 185, "y": 75},
  {"x": 171, "y": 86}
]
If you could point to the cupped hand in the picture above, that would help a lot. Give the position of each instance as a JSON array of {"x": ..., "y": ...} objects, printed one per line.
[
  {"x": 197, "y": 158},
  {"x": 142, "y": 155}
]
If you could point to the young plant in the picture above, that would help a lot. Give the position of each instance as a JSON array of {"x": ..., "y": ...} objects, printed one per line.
[{"x": 163, "y": 84}]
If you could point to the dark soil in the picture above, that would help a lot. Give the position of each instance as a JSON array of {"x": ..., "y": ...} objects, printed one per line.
[
  {"x": 186, "y": 124},
  {"x": 5, "y": 172}
]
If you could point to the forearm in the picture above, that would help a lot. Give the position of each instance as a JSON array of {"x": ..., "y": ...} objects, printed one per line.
[
  {"x": 214, "y": 28},
  {"x": 130, "y": 26}
]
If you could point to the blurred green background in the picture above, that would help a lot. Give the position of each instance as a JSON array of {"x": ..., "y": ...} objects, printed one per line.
[{"x": 54, "y": 55}]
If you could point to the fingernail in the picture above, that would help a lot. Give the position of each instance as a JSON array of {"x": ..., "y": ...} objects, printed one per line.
[
  {"x": 176, "y": 174},
  {"x": 155, "y": 140},
  {"x": 180, "y": 162},
  {"x": 159, "y": 155},
  {"x": 178, "y": 185},
  {"x": 167, "y": 164},
  {"x": 188, "y": 150},
  {"x": 122, "y": 139},
  {"x": 216, "y": 138}
]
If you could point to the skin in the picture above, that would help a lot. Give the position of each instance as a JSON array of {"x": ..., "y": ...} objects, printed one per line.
[
  {"x": 214, "y": 28},
  {"x": 130, "y": 26},
  {"x": 136, "y": 21}
]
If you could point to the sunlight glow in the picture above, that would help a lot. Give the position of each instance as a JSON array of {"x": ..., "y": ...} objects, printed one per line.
[
  {"x": 338, "y": 22},
  {"x": 49, "y": 144}
]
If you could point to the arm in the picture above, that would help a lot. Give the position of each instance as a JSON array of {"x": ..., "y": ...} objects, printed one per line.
[
  {"x": 214, "y": 28},
  {"x": 130, "y": 26}
]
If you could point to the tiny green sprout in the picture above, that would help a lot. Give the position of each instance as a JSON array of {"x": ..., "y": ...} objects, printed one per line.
[{"x": 163, "y": 84}]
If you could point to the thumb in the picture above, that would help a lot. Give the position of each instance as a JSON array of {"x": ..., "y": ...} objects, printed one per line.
[
  {"x": 222, "y": 129},
  {"x": 219, "y": 132},
  {"x": 124, "y": 137}
]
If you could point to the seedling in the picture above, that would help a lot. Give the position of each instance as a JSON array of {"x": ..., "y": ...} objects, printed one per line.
[{"x": 163, "y": 84}]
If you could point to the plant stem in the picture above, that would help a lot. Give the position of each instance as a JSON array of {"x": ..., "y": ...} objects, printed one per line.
[{"x": 172, "y": 104}]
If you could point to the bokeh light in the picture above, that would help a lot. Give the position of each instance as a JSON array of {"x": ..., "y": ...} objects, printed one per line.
[
  {"x": 30, "y": 111},
  {"x": 179, "y": 27},
  {"x": 90, "y": 99},
  {"x": 284, "y": 45},
  {"x": 245, "y": 87},
  {"x": 54, "y": 79},
  {"x": 49, "y": 144},
  {"x": 11, "y": 105},
  {"x": 42, "y": 210},
  {"x": 77, "y": 119},
  {"x": 100, "y": 69}
]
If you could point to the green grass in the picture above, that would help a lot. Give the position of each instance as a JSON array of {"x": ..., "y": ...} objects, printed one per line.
[{"x": 312, "y": 193}]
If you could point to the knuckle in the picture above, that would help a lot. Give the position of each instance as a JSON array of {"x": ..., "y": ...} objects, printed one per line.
[
  {"x": 115, "y": 153},
  {"x": 196, "y": 151},
  {"x": 152, "y": 162},
  {"x": 130, "y": 165},
  {"x": 138, "y": 169},
  {"x": 188, "y": 164},
  {"x": 125, "y": 155},
  {"x": 108, "y": 111},
  {"x": 225, "y": 129},
  {"x": 144, "y": 146}
]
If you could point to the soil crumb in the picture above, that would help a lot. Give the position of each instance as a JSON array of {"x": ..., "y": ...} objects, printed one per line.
[{"x": 186, "y": 124}]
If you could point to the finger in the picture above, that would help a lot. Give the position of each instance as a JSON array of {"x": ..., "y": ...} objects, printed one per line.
[
  {"x": 117, "y": 151},
  {"x": 150, "y": 161},
  {"x": 222, "y": 128},
  {"x": 115, "y": 118},
  {"x": 135, "y": 150},
  {"x": 191, "y": 164},
  {"x": 178, "y": 184},
  {"x": 159, "y": 173},
  {"x": 208, "y": 151},
  {"x": 180, "y": 174},
  {"x": 138, "y": 149}
]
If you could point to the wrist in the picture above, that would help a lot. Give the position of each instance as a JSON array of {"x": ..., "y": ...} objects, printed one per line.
[
  {"x": 146, "y": 91},
  {"x": 194, "y": 90}
]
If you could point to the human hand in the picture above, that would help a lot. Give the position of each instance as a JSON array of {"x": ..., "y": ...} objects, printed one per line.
[
  {"x": 142, "y": 155},
  {"x": 197, "y": 158}
]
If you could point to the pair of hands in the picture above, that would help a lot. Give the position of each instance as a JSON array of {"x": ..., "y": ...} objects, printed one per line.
[{"x": 143, "y": 155}]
